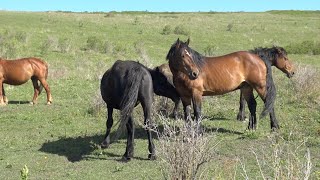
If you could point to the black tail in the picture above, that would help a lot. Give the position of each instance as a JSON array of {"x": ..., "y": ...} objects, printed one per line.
[
  {"x": 129, "y": 98},
  {"x": 270, "y": 89}
]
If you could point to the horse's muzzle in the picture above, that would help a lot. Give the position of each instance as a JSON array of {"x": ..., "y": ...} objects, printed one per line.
[{"x": 290, "y": 74}]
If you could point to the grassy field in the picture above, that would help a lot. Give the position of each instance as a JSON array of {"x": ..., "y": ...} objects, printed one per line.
[{"x": 61, "y": 141}]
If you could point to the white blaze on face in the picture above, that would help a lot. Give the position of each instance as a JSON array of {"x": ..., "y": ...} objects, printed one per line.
[{"x": 188, "y": 54}]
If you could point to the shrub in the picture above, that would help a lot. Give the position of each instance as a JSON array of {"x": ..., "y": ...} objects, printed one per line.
[
  {"x": 94, "y": 44},
  {"x": 306, "y": 83},
  {"x": 181, "y": 30},
  {"x": 305, "y": 47},
  {"x": 183, "y": 149},
  {"x": 97, "y": 105},
  {"x": 166, "y": 30}
]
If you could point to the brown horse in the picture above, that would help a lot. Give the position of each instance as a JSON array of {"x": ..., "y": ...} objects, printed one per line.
[
  {"x": 17, "y": 72},
  {"x": 195, "y": 76},
  {"x": 268, "y": 54}
]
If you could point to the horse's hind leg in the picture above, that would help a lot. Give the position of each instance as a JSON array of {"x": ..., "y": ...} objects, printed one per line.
[
  {"x": 46, "y": 87},
  {"x": 252, "y": 104},
  {"x": 130, "y": 140},
  {"x": 146, "y": 103},
  {"x": 273, "y": 120},
  {"x": 36, "y": 89},
  {"x": 241, "y": 114},
  {"x": 109, "y": 123}
]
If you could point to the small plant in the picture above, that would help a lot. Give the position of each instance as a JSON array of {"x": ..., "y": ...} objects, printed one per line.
[
  {"x": 229, "y": 27},
  {"x": 166, "y": 30},
  {"x": 94, "y": 44},
  {"x": 24, "y": 173}
]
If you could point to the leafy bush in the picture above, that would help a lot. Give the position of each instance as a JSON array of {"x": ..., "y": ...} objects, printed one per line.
[
  {"x": 305, "y": 47},
  {"x": 94, "y": 44},
  {"x": 166, "y": 30},
  {"x": 181, "y": 30}
]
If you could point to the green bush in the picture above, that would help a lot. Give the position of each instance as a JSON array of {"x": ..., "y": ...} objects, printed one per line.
[
  {"x": 305, "y": 47},
  {"x": 166, "y": 30},
  {"x": 94, "y": 44},
  {"x": 181, "y": 30}
]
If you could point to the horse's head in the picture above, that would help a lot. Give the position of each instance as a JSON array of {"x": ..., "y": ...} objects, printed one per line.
[
  {"x": 282, "y": 62},
  {"x": 182, "y": 58},
  {"x": 162, "y": 84}
]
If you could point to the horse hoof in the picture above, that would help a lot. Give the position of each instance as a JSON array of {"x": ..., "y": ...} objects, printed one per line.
[
  {"x": 104, "y": 145},
  {"x": 125, "y": 159},
  {"x": 48, "y": 103},
  {"x": 32, "y": 103},
  {"x": 152, "y": 157}
]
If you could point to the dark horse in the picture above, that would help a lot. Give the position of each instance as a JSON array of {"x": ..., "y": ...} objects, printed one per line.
[
  {"x": 123, "y": 87},
  {"x": 267, "y": 54},
  {"x": 164, "y": 69},
  {"x": 17, "y": 72},
  {"x": 195, "y": 76}
]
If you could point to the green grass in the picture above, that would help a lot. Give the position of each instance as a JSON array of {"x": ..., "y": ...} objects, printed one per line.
[{"x": 61, "y": 141}]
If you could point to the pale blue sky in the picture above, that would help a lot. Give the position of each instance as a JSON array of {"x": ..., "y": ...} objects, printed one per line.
[{"x": 158, "y": 5}]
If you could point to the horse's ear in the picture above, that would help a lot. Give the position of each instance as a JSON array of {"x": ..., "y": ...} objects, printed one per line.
[
  {"x": 178, "y": 43},
  {"x": 188, "y": 41}
]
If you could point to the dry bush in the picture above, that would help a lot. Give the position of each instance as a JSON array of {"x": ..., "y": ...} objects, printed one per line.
[
  {"x": 184, "y": 150},
  {"x": 286, "y": 160},
  {"x": 97, "y": 106},
  {"x": 143, "y": 56},
  {"x": 306, "y": 83}
]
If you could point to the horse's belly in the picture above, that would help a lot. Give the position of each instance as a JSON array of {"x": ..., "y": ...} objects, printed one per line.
[{"x": 15, "y": 82}]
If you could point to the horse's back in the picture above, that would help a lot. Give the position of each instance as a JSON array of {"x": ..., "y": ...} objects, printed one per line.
[
  {"x": 115, "y": 80},
  {"x": 19, "y": 71}
]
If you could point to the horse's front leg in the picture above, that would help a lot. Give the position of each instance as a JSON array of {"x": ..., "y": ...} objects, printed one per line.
[
  {"x": 175, "y": 109},
  {"x": 242, "y": 102},
  {"x": 196, "y": 102},
  {"x": 186, "y": 108}
]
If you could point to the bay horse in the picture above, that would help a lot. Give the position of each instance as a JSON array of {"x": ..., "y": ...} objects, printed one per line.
[
  {"x": 124, "y": 86},
  {"x": 17, "y": 72},
  {"x": 268, "y": 54},
  {"x": 195, "y": 76}
]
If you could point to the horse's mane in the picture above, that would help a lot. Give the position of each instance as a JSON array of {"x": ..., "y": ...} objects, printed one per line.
[
  {"x": 268, "y": 55},
  {"x": 197, "y": 58}
]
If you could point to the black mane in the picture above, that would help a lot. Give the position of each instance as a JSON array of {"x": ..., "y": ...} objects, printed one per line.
[{"x": 269, "y": 55}]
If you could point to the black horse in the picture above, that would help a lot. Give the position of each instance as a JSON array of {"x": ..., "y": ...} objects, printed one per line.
[{"x": 123, "y": 87}]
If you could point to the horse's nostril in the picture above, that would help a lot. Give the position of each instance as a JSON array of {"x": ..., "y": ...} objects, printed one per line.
[{"x": 194, "y": 74}]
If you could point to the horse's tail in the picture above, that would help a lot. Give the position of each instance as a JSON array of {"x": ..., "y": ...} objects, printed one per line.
[
  {"x": 45, "y": 75},
  {"x": 270, "y": 90},
  {"x": 130, "y": 97}
]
